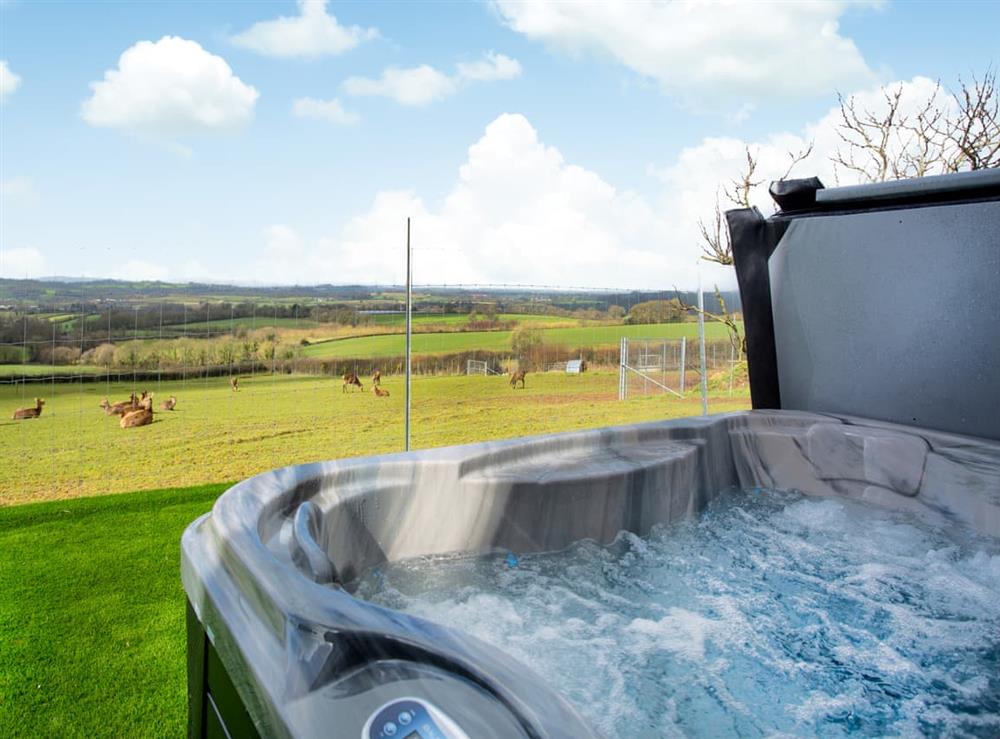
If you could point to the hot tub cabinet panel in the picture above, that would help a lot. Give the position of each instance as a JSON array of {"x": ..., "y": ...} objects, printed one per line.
[{"x": 269, "y": 572}]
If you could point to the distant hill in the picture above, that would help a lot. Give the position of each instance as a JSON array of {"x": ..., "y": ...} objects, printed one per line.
[{"x": 79, "y": 294}]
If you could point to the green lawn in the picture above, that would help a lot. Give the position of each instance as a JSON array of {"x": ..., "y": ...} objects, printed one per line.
[
  {"x": 37, "y": 370},
  {"x": 225, "y": 324},
  {"x": 92, "y": 615},
  {"x": 391, "y": 345}
]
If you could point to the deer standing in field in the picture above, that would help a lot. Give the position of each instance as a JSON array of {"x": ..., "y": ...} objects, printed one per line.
[
  {"x": 516, "y": 377},
  {"x": 377, "y": 379},
  {"x": 351, "y": 378},
  {"x": 22, "y": 413},
  {"x": 380, "y": 392},
  {"x": 234, "y": 383},
  {"x": 169, "y": 404}
]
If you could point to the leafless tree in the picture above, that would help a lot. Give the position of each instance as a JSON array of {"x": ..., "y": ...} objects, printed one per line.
[
  {"x": 974, "y": 131},
  {"x": 946, "y": 132},
  {"x": 737, "y": 192}
]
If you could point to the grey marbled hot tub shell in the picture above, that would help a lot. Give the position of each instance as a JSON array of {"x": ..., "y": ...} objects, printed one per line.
[{"x": 269, "y": 570}]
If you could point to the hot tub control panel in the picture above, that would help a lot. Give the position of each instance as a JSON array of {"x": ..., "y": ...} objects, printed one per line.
[{"x": 411, "y": 718}]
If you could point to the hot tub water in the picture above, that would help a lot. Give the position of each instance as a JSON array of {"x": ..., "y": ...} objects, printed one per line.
[{"x": 770, "y": 613}]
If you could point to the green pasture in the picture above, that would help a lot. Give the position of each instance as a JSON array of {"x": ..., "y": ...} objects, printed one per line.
[
  {"x": 392, "y": 345},
  {"x": 42, "y": 370},
  {"x": 74, "y": 450}
]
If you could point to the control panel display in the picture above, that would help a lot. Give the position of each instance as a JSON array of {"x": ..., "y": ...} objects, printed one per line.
[{"x": 411, "y": 718}]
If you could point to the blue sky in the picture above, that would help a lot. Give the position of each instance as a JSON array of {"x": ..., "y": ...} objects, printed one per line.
[{"x": 536, "y": 143}]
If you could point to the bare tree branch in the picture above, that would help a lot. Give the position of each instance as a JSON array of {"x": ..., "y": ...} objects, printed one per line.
[
  {"x": 726, "y": 318},
  {"x": 715, "y": 244}
]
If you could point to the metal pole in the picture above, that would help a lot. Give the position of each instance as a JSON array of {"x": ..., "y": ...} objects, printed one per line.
[
  {"x": 683, "y": 363},
  {"x": 409, "y": 327},
  {"x": 701, "y": 349}
]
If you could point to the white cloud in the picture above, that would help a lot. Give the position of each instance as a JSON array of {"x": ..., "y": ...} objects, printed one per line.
[
  {"x": 9, "y": 82},
  {"x": 702, "y": 50},
  {"x": 414, "y": 86},
  {"x": 518, "y": 212},
  {"x": 327, "y": 110},
  {"x": 492, "y": 66},
  {"x": 425, "y": 84},
  {"x": 312, "y": 33},
  {"x": 22, "y": 262},
  {"x": 170, "y": 86}
]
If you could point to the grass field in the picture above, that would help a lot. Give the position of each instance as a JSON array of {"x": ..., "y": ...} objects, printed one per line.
[
  {"x": 92, "y": 639},
  {"x": 392, "y": 345},
  {"x": 74, "y": 450},
  {"x": 42, "y": 370}
]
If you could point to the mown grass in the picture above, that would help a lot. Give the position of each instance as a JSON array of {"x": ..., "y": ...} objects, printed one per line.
[
  {"x": 392, "y": 345},
  {"x": 42, "y": 370},
  {"x": 74, "y": 450},
  {"x": 92, "y": 638}
]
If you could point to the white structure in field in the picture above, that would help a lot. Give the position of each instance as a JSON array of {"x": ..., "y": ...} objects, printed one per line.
[
  {"x": 651, "y": 366},
  {"x": 478, "y": 367}
]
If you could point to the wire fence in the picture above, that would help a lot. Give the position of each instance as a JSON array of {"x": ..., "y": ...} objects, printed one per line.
[{"x": 260, "y": 384}]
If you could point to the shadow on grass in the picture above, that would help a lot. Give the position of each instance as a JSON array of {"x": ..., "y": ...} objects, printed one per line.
[{"x": 92, "y": 614}]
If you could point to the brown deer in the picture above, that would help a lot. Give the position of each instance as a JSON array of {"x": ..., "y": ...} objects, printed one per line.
[
  {"x": 141, "y": 417},
  {"x": 380, "y": 392},
  {"x": 234, "y": 383},
  {"x": 351, "y": 378},
  {"x": 169, "y": 404},
  {"x": 377, "y": 378},
  {"x": 517, "y": 376},
  {"x": 117, "y": 409},
  {"x": 22, "y": 413}
]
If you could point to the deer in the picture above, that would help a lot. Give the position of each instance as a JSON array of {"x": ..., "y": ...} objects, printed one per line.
[
  {"x": 169, "y": 404},
  {"x": 141, "y": 417},
  {"x": 117, "y": 409},
  {"x": 351, "y": 378},
  {"x": 23, "y": 413},
  {"x": 380, "y": 392},
  {"x": 234, "y": 383},
  {"x": 377, "y": 379},
  {"x": 517, "y": 376}
]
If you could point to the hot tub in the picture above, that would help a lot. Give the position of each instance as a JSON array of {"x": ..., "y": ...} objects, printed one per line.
[
  {"x": 864, "y": 388},
  {"x": 269, "y": 572}
]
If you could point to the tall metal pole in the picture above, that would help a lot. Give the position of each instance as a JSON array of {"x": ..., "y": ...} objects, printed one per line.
[
  {"x": 701, "y": 349},
  {"x": 409, "y": 318}
]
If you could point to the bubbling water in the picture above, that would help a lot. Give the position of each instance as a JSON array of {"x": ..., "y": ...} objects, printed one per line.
[{"x": 770, "y": 614}]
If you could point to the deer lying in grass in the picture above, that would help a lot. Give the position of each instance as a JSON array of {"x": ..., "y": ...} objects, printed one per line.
[
  {"x": 122, "y": 406},
  {"x": 517, "y": 376},
  {"x": 169, "y": 404},
  {"x": 141, "y": 417},
  {"x": 380, "y": 392},
  {"x": 22, "y": 413},
  {"x": 351, "y": 378},
  {"x": 377, "y": 379}
]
